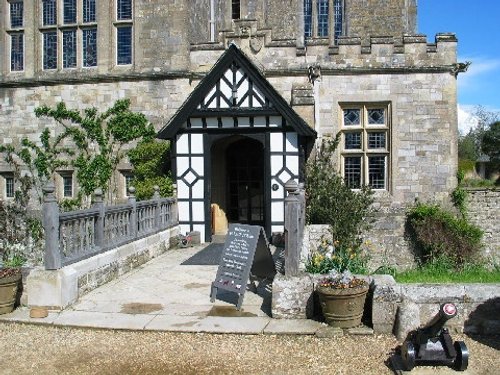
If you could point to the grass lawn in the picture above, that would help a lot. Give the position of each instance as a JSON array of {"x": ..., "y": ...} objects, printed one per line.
[{"x": 436, "y": 275}]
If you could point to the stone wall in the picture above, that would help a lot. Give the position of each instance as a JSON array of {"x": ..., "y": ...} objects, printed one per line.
[{"x": 483, "y": 206}]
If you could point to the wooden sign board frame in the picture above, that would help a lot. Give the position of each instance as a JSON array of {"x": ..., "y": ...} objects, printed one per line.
[{"x": 246, "y": 252}]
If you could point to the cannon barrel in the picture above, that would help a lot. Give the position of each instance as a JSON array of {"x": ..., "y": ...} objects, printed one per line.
[{"x": 446, "y": 312}]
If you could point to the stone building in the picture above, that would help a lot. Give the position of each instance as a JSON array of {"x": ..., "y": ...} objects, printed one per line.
[{"x": 244, "y": 89}]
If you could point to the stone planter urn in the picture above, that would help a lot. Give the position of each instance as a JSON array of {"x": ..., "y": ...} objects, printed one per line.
[
  {"x": 9, "y": 282},
  {"x": 342, "y": 307}
]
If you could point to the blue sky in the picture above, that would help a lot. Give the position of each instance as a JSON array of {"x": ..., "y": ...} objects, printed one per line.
[{"x": 476, "y": 25}]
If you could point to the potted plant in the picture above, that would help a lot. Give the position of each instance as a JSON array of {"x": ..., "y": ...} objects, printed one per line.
[
  {"x": 10, "y": 278},
  {"x": 341, "y": 294}
]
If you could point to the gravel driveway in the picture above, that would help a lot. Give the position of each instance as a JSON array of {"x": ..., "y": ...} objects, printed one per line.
[{"x": 31, "y": 349}]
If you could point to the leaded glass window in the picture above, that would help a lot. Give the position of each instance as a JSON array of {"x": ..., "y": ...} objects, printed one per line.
[
  {"x": 67, "y": 185},
  {"x": 124, "y": 45},
  {"x": 16, "y": 52},
  {"x": 322, "y": 18},
  {"x": 69, "y": 48},
  {"x": 236, "y": 9},
  {"x": 308, "y": 27},
  {"x": 9, "y": 187},
  {"x": 49, "y": 12},
  {"x": 320, "y": 21},
  {"x": 352, "y": 116},
  {"x": 365, "y": 151},
  {"x": 16, "y": 14},
  {"x": 50, "y": 50},
  {"x": 90, "y": 47},
  {"x": 89, "y": 13},
  {"x": 69, "y": 11},
  {"x": 352, "y": 171},
  {"x": 123, "y": 9},
  {"x": 353, "y": 141}
]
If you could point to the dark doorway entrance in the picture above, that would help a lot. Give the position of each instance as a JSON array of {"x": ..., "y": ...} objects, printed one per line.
[{"x": 245, "y": 182}]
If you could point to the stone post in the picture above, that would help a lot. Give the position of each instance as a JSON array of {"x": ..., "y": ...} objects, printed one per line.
[
  {"x": 52, "y": 258},
  {"x": 174, "y": 218},
  {"x": 156, "y": 197},
  {"x": 99, "y": 223},
  {"x": 133, "y": 215},
  {"x": 293, "y": 242}
]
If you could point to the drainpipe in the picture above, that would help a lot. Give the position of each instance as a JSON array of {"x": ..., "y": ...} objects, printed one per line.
[{"x": 212, "y": 20}]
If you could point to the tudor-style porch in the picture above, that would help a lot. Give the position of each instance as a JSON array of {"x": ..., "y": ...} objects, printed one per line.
[{"x": 235, "y": 142}]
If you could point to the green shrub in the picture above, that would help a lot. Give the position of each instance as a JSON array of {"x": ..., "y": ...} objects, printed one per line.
[
  {"x": 439, "y": 234},
  {"x": 466, "y": 165},
  {"x": 330, "y": 201}
]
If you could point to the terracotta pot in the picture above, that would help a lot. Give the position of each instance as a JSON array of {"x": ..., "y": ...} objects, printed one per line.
[
  {"x": 343, "y": 308},
  {"x": 8, "y": 292}
]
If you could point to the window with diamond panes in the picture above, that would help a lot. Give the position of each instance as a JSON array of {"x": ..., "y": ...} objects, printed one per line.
[
  {"x": 365, "y": 152},
  {"x": 89, "y": 14},
  {"x": 49, "y": 12},
  {"x": 16, "y": 14},
  {"x": 318, "y": 20},
  {"x": 124, "y": 9},
  {"x": 89, "y": 47},
  {"x": 16, "y": 52}
]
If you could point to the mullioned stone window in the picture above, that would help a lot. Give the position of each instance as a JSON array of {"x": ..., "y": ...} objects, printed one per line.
[
  {"x": 365, "y": 145},
  {"x": 124, "y": 32},
  {"x": 16, "y": 35},
  {"x": 75, "y": 34},
  {"x": 323, "y": 18}
]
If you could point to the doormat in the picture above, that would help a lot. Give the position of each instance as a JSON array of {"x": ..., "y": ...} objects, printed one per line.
[{"x": 209, "y": 256}]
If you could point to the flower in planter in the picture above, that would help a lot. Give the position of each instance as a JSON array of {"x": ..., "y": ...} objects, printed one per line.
[
  {"x": 341, "y": 280},
  {"x": 333, "y": 255}
]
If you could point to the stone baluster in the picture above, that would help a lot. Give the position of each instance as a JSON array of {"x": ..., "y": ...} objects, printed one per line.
[
  {"x": 52, "y": 258},
  {"x": 134, "y": 220},
  {"x": 157, "y": 208},
  {"x": 99, "y": 223}
]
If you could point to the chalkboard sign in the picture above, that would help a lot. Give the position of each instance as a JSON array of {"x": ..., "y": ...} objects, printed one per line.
[{"x": 246, "y": 252}]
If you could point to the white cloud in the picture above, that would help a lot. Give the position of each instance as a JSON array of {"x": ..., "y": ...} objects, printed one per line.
[
  {"x": 478, "y": 70},
  {"x": 466, "y": 120}
]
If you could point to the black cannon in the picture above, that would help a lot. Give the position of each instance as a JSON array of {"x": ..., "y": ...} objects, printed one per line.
[{"x": 432, "y": 344}]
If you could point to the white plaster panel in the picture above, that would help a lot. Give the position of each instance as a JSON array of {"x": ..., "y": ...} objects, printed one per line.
[
  {"x": 182, "y": 189},
  {"x": 182, "y": 165},
  {"x": 182, "y": 144},
  {"x": 201, "y": 229},
  {"x": 292, "y": 143},
  {"x": 277, "y": 228},
  {"x": 227, "y": 122},
  {"x": 278, "y": 193},
  {"x": 277, "y": 211},
  {"x": 196, "y": 122},
  {"x": 259, "y": 121},
  {"x": 184, "y": 228},
  {"x": 276, "y": 140},
  {"x": 259, "y": 95},
  {"x": 198, "y": 211},
  {"x": 196, "y": 143},
  {"x": 183, "y": 211},
  {"x": 197, "y": 165},
  {"x": 275, "y": 121},
  {"x": 243, "y": 122},
  {"x": 276, "y": 164},
  {"x": 292, "y": 163},
  {"x": 210, "y": 94},
  {"x": 198, "y": 189},
  {"x": 212, "y": 122}
]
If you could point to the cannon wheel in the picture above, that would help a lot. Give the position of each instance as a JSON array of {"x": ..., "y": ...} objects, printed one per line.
[
  {"x": 408, "y": 355},
  {"x": 462, "y": 359}
]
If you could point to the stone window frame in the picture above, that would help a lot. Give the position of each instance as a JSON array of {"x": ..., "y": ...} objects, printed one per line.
[
  {"x": 369, "y": 142},
  {"x": 333, "y": 23},
  {"x": 66, "y": 52},
  {"x": 16, "y": 36},
  {"x": 123, "y": 23},
  {"x": 7, "y": 185}
]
